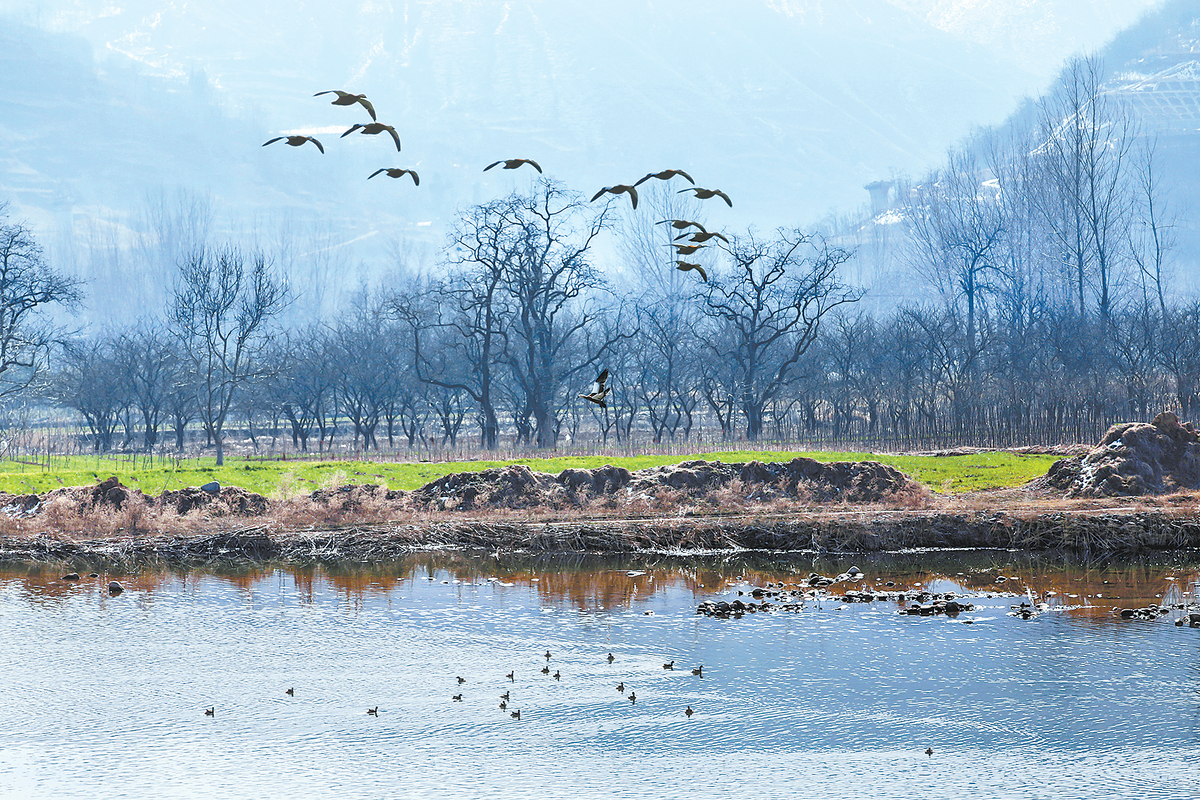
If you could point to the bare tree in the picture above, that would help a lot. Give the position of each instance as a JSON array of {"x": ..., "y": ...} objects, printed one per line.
[
  {"x": 28, "y": 284},
  {"x": 549, "y": 282},
  {"x": 769, "y": 310},
  {"x": 221, "y": 316},
  {"x": 1086, "y": 140},
  {"x": 88, "y": 380}
]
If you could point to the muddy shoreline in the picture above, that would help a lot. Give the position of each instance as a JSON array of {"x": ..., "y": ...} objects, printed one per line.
[{"x": 1081, "y": 533}]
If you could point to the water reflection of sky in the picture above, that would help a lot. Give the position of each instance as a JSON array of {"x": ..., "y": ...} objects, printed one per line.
[{"x": 105, "y": 695}]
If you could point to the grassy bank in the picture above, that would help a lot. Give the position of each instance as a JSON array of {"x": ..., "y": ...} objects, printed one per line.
[{"x": 947, "y": 474}]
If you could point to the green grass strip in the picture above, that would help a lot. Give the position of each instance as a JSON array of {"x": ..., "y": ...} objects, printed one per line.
[{"x": 947, "y": 474}]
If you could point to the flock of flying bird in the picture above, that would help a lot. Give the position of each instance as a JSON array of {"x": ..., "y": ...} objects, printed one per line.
[
  {"x": 686, "y": 243},
  {"x": 506, "y": 698}
]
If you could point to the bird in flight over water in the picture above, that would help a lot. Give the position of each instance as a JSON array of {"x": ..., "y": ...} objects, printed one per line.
[
  {"x": 513, "y": 163},
  {"x": 686, "y": 266},
  {"x": 396, "y": 172},
  {"x": 681, "y": 224},
  {"x": 705, "y": 194},
  {"x": 347, "y": 99},
  {"x": 601, "y": 392},
  {"x": 372, "y": 128},
  {"x": 666, "y": 175},
  {"x": 621, "y": 188},
  {"x": 295, "y": 141}
]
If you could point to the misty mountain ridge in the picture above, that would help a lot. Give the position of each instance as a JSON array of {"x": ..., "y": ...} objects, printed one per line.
[{"x": 790, "y": 107}]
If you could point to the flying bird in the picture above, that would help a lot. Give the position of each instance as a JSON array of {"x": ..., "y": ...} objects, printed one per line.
[
  {"x": 372, "y": 128},
  {"x": 666, "y": 175},
  {"x": 396, "y": 172},
  {"x": 347, "y": 99},
  {"x": 681, "y": 224},
  {"x": 513, "y": 163},
  {"x": 687, "y": 266},
  {"x": 621, "y": 188},
  {"x": 602, "y": 391},
  {"x": 295, "y": 141},
  {"x": 686, "y": 249},
  {"x": 705, "y": 194},
  {"x": 703, "y": 236}
]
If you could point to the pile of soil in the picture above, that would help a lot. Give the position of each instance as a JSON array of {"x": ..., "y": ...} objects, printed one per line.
[
  {"x": 230, "y": 501},
  {"x": 112, "y": 495},
  {"x": 1133, "y": 458},
  {"x": 517, "y": 487}
]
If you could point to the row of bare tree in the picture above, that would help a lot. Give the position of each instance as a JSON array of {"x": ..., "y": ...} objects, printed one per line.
[{"x": 1051, "y": 315}]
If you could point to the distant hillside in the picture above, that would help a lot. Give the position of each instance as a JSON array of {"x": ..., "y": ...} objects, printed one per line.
[{"x": 790, "y": 113}]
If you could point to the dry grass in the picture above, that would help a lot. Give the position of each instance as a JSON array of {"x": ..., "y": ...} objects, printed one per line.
[{"x": 362, "y": 523}]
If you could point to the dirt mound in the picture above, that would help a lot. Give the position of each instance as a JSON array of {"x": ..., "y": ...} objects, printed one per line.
[
  {"x": 515, "y": 486},
  {"x": 355, "y": 497},
  {"x": 229, "y": 501},
  {"x": 110, "y": 494},
  {"x": 801, "y": 478},
  {"x": 1133, "y": 458}
]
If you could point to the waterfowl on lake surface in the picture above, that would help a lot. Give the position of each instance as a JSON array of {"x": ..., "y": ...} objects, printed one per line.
[
  {"x": 503, "y": 704},
  {"x": 669, "y": 665},
  {"x": 547, "y": 655},
  {"x": 557, "y": 675},
  {"x": 211, "y": 712},
  {"x": 516, "y": 715},
  {"x": 633, "y": 697},
  {"x": 290, "y": 692},
  {"x": 611, "y": 658},
  {"x": 457, "y": 698},
  {"x": 698, "y": 670},
  {"x": 546, "y": 670},
  {"x": 504, "y": 696},
  {"x": 374, "y": 712},
  {"x": 689, "y": 712},
  {"x": 461, "y": 680},
  {"x": 510, "y": 676},
  {"x": 929, "y": 752},
  {"x": 621, "y": 687}
]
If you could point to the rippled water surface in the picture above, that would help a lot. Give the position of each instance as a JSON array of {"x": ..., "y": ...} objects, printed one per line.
[{"x": 104, "y": 696}]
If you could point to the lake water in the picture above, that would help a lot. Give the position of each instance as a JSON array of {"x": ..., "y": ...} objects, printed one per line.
[{"x": 105, "y": 696}]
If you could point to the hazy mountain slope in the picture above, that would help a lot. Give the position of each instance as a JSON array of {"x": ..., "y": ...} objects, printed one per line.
[{"x": 791, "y": 113}]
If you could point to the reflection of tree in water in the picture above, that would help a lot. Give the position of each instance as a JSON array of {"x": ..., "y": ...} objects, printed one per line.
[{"x": 604, "y": 581}]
